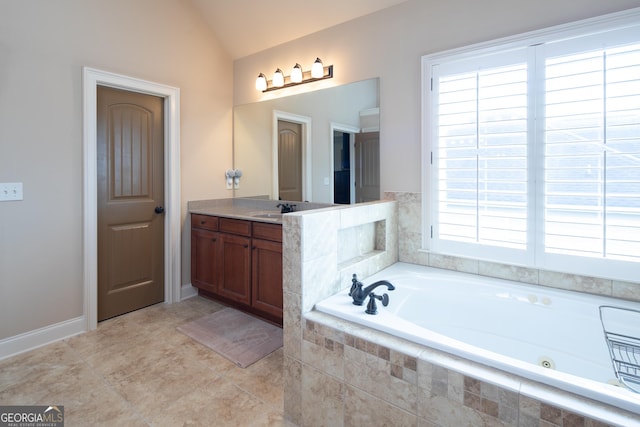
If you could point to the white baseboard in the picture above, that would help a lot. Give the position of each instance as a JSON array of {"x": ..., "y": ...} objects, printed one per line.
[
  {"x": 43, "y": 336},
  {"x": 49, "y": 334},
  {"x": 187, "y": 291}
]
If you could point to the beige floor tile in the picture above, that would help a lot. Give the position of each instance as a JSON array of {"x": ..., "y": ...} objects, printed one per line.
[
  {"x": 220, "y": 404},
  {"x": 34, "y": 365},
  {"x": 157, "y": 386},
  {"x": 207, "y": 357},
  {"x": 138, "y": 370},
  {"x": 264, "y": 379},
  {"x": 104, "y": 407}
]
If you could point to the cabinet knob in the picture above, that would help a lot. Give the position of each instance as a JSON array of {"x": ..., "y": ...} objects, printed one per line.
[
  {"x": 159, "y": 209},
  {"x": 246, "y": 246}
]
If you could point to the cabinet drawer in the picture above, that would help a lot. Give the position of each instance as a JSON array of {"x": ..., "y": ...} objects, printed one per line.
[
  {"x": 204, "y": 221},
  {"x": 266, "y": 231},
  {"x": 235, "y": 226}
]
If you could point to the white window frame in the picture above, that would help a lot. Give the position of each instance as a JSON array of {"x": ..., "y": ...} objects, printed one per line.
[{"x": 534, "y": 258}]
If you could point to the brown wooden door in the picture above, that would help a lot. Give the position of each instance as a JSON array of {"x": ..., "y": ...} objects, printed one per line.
[
  {"x": 130, "y": 144},
  {"x": 266, "y": 283},
  {"x": 367, "y": 165},
  {"x": 289, "y": 160}
]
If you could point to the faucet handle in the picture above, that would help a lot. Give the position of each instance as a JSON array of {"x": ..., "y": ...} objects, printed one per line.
[
  {"x": 385, "y": 300},
  {"x": 354, "y": 284},
  {"x": 372, "y": 307}
]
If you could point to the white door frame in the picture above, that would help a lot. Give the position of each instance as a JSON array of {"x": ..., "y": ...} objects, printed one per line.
[
  {"x": 306, "y": 152},
  {"x": 91, "y": 79}
]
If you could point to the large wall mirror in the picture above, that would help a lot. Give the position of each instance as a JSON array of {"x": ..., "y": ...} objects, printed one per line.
[{"x": 321, "y": 146}]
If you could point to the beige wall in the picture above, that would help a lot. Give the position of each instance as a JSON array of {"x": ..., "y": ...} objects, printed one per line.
[
  {"x": 43, "y": 46},
  {"x": 389, "y": 45}
]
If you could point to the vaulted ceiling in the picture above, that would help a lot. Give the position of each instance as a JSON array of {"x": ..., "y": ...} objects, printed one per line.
[{"x": 245, "y": 27}]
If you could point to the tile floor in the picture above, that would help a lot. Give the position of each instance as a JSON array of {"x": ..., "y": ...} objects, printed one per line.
[{"x": 138, "y": 370}]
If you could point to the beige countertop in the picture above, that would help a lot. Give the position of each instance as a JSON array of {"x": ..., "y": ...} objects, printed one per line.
[{"x": 262, "y": 210}]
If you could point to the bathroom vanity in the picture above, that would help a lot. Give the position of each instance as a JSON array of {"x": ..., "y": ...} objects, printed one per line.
[
  {"x": 236, "y": 253},
  {"x": 239, "y": 262}
]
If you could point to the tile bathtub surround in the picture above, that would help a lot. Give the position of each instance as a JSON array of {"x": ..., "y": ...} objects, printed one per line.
[
  {"x": 410, "y": 244},
  {"x": 312, "y": 271},
  {"x": 311, "y": 243},
  {"x": 340, "y": 374},
  {"x": 391, "y": 376},
  {"x": 138, "y": 370}
]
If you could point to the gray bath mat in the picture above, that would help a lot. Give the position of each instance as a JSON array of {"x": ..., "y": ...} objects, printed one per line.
[{"x": 241, "y": 338}]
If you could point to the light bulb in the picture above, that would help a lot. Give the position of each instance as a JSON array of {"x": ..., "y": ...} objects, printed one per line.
[
  {"x": 317, "y": 69},
  {"x": 278, "y": 78},
  {"x": 296, "y": 74},
  {"x": 261, "y": 82}
]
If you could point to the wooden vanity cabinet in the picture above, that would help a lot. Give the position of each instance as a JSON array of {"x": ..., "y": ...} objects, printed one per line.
[
  {"x": 235, "y": 260},
  {"x": 238, "y": 262},
  {"x": 266, "y": 268},
  {"x": 204, "y": 258}
]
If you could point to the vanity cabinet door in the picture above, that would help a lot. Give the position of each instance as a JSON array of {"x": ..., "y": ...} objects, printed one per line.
[
  {"x": 235, "y": 268},
  {"x": 204, "y": 259},
  {"x": 266, "y": 292}
]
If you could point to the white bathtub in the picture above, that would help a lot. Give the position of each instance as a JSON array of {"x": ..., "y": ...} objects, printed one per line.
[{"x": 511, "y": 326}]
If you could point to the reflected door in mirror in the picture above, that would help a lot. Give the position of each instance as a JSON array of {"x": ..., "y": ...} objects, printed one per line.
[
  {"x": 289, "y": 160},
  {"x": 367, "y": 166}
]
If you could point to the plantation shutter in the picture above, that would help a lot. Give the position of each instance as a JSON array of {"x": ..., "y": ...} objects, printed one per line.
[
  {"x": 533, "y": 147},
  {"x": 480, "y": 157},
  {"x": 591, "y": 195}
]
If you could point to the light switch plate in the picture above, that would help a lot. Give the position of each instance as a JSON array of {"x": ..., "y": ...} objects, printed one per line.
[{"x": 10, "y": 191}]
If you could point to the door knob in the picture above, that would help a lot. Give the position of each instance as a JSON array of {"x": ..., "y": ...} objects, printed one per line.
[{"x": 159, "y": 209}]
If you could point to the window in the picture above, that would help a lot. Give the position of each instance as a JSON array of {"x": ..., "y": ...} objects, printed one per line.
[{"x": 534, "y": 150}]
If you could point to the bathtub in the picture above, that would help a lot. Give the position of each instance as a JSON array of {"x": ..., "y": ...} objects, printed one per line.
[{"x": 551, "y": 336}]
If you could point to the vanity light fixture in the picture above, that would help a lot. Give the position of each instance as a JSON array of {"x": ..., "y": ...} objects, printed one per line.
[
  {"x": 278, "y": 78},
  {"x": 261, "y": 82},
  {"x": 317, "y": 69},
  {"x": 318, "y": 72},
  {"x": 296, "y": 74}
]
